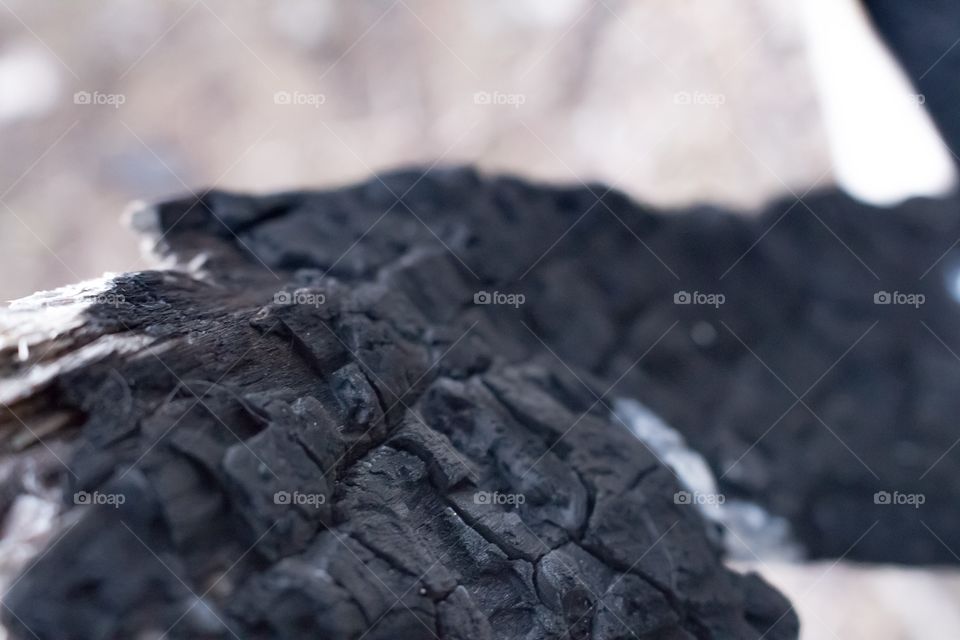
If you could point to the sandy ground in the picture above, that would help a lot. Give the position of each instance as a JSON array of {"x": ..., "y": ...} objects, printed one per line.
[{"x": 674, "y": 101}]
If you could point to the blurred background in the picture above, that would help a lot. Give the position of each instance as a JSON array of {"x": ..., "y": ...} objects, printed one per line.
[{"x": 673, "y": 101}]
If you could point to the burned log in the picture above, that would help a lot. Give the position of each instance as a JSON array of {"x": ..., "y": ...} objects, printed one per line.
[{"x": 409, "y": 408}]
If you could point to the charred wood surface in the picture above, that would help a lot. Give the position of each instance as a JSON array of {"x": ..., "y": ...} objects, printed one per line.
[{"x": 384, "y": 411}]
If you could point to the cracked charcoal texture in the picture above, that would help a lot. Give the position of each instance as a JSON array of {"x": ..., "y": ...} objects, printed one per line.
[{"x": 201, "y": 396}]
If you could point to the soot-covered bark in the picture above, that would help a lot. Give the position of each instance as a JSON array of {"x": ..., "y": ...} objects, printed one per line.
[{"x": 384, "y": 411}]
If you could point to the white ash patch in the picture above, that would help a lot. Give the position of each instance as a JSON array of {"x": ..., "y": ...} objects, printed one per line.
[
  {"x": 750, "y": 532},
  {"x": 31, "y": 521},
  {"x": 36, "y": 327},
  {"x": 46, "y": 314}
]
